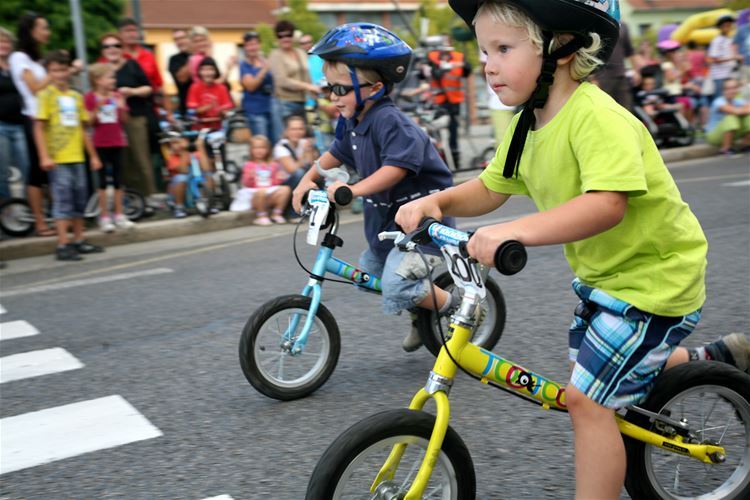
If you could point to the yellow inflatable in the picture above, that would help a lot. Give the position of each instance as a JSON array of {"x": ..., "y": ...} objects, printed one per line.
[{"x": 700, "y": 28}]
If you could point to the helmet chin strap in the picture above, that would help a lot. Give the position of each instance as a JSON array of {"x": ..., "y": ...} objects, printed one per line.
[
  {"x": 537, "y": 100},
  {"x": 341, "y": 123}
]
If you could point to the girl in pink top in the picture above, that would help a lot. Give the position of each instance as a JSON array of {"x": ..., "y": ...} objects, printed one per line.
[
  {"x": 108, "y": 111},
  {"x": 262, "y": 189}
]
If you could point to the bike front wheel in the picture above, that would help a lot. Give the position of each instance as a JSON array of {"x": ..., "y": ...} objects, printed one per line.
[
  {"x": 491, "y": 321},
  {"x": 16, "y": 218},
  {"x": 266, "y": 342},
  {"x": 349, "y": 466},
  {"x": 714, "y": 398}
]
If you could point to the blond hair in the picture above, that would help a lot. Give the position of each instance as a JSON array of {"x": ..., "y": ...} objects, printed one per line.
[
  {"x": 266, "y": 142},
  {"x": 97, "y": 71},
  {"x": 583, "y": 64},
  {"x": 7, "y": 34},
  {"x": 364, "y": 75},
  {"x": 198, "y": 31}
]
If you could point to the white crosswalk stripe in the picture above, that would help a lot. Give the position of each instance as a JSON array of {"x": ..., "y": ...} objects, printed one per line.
[
  {"x": 65, "y": 431},
  {"x": 37, "y": 363},
  {"x": 2, "y": 309},
  {"x": 16, "y": 329}
]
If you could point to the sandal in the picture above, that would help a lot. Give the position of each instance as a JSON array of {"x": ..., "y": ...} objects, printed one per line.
[{"x": 46, "y": 232}]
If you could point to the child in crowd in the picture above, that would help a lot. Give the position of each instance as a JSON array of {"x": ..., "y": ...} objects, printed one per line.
[
  {"x": 209, "y": 99},
  {"x": 180, "y": 155},
  {"x": 394, "y": 157},
  {"x": 263, "y": 190},
  {"x": 295, "y": 152},
  {"x": 60, "y": 139},
  {"x": 728, "y": 124},
  {"x": 641, "y": 290},
  {"x": 108, "y": 112}
]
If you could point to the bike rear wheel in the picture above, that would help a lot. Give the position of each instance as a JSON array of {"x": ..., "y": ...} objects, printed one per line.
[
  {"x": 16, "y": 218},
  {"x": 715, "y": 399},
  {"x": 133, "y": 204},
  {"x": 265, "y": 353},
  {"x": 486, "y": 335},
  {"x": 349, "y": 466}
]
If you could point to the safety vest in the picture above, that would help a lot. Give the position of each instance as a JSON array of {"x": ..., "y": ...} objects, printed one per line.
[{"x": 448, "y": 86}]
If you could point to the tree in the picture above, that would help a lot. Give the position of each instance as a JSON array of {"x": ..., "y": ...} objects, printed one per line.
[
  {"x": 99, "y": 17},
  {"x": 304, "y": 19}
]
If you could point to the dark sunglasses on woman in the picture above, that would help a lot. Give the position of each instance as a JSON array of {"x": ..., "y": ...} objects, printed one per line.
[{"x": 112, "y": 46}]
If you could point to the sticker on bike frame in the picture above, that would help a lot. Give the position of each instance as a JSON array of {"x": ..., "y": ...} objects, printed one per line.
[
  {"x": 318, "y": 201},
  {"x": 447, "y": 235},
  {"x": 465, "y": 272}
]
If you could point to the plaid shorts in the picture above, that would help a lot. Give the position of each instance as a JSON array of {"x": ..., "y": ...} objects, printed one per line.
[{"x": 618, "y": 350}]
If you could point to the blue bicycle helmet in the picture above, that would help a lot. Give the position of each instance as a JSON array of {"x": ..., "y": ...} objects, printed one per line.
[{"x": 367, "y": 46}]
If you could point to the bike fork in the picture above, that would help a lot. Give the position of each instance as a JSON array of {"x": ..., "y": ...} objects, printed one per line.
[{"x": 312, "y": 290}]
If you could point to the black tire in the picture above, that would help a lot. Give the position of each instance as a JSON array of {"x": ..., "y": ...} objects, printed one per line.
[
  {"x": 335, "y": 469},
  {"x": 133, "y": 204},
  {"x": 204, "y": 200},
  {"x": 325, "y": 333},
  {"x": 16, "y": 218},
  {"x": 484, "y": 158},
  {"x": 683, "y": 138},
  {"x": 225, "y": 197},
  {"x": 722, "y": 415},
  {"x": 488, "y": 333}
]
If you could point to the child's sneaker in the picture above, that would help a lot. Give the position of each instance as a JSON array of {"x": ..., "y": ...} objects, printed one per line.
[
  {"x": 278, "y": 218},
  {"x": 86, "y": 247},
  {"x": 179, "y": 213},
  {"x": 413, "y": 341},
  {"x": 67, "y": 252},
  {"x": 739, "y": 346},
  {"x": 123, "y": 222},
  {"x": 105, "y": 224},
  {"x": 262, "y": 220}
]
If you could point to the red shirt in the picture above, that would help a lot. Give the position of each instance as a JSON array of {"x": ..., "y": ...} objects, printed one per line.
[
  {"x": 260, "y": 175},
  {"x": 106, "y": 119},
  {"x": 216, "y": 95},
  {"x": 147, "y": 62}
]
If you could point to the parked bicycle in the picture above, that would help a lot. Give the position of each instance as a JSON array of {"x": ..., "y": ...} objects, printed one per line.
[
  {"x": 289, "y": 347},
  {"x": 689, "y": 439}
]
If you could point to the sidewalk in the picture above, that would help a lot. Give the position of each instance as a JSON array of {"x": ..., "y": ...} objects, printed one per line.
[{"x": 148, "y": 230}]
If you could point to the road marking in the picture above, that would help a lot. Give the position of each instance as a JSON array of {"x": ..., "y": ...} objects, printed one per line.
[
  {"x": 37, "y": 363},
  {"x": 2, "y": 309},
  {"x": 220, "y": 497},
  {"x": 710, "y": 178},
  {"x": 44, "y": 436},
  {"x": 739, "y": 183},
  {"x": 17, "y": 329},
  {"x": 26, "y": 290}
]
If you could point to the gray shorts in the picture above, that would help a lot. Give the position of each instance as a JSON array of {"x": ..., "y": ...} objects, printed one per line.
[{"x": 69, "y": 190}]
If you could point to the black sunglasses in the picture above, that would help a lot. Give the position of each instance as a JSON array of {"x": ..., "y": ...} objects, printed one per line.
[
  {"x": 112, "y": 46},
  {"x": 342, "y": 90},
  {"x": 284, "y": 35}
]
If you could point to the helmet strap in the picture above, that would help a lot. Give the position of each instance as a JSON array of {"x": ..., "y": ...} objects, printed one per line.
[
  {"x": 341, "y": 123},
  {"x": 538, "y": 99}
]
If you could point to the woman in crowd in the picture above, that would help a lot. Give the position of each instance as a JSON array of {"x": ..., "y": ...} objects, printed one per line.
[
  {"x": 290, "y": 73},
  {"x": 257, "y": 90},
  {"x": 13, "y": 149},
  {"x": 132, "y": 84},
  {"x": 30, "y": 77}
]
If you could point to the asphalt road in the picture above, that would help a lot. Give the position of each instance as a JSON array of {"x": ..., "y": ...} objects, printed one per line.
[{"x": 156, "y": 325}]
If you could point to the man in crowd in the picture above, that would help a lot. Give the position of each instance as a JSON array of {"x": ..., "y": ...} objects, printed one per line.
[{"x": 179, "y": 68}]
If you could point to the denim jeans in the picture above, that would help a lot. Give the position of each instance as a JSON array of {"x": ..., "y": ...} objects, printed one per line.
[
  {"x": 289, "y": 108},
  {"x": 13, "y": 151},
  {"x": 263, "y": 124},
  {"x": 69, "y": 190}
]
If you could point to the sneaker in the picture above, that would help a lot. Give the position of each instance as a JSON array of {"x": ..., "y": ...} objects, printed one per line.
[
  {"x": 413, "y": 341},
  {"x": 179, "y": 213},
  {"x": 263, "y": 220},
  {"x": 86, "y": 247},
  {"x": 105, "y": 224},
  {"x": 123, "y": 222},
  {"x": 278, "y": 218},
  {"x": 727, "y": 152},
  {"x": 739, "y": 346},
  {"x": 214, "y": 210},
  {"x": 67, "y": 252}
]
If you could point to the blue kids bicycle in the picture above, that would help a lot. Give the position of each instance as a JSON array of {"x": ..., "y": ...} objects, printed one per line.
[{"x": 290, "y": 345}]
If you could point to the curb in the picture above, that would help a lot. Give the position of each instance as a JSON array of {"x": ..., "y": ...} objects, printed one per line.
[{"x": 170, "y": 228}]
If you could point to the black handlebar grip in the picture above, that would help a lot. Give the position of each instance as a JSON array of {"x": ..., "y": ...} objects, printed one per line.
[
  {"x": 342, "y": 196},
  {"x": 510, "y": 257},
  {"x": 304, "y": 198}
]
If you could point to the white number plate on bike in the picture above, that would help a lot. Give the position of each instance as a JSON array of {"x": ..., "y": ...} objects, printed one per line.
[
  {"x": 465, "y": 272},
  {"x": 318, "y": 201}
]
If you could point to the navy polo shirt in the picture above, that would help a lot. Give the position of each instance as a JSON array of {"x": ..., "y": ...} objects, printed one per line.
[{"x": 386, "y": 136}]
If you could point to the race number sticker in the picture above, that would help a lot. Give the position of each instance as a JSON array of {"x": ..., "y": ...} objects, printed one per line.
[
  {"x": 318, "y": 201},
  {"x": 68, "y": 111},
  {"x": 107, "y": 113},
  {"x": 465, "y": 272}
]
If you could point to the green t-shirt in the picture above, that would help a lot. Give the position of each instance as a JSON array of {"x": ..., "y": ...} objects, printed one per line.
[{"x": 655, "y": 258}]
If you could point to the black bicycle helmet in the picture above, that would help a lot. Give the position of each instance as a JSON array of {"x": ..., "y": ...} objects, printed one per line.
[{"x": 577, "y": 17}]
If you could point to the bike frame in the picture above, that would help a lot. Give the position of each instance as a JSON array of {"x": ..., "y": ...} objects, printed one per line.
[
  {"x": 491, "y": 367},
  {"x": 325, "y": 263}
]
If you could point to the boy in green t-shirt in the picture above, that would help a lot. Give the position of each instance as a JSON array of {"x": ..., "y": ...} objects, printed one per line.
[
  {"x": 60, "y": 139},
  {"x": 602, "y": 190}
]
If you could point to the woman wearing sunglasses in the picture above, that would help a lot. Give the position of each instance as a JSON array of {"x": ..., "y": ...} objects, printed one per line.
[
  {"x": 395, "y": 159},
  {"x": 291, "y": 75},
  {"x": 133, "y": 84}
]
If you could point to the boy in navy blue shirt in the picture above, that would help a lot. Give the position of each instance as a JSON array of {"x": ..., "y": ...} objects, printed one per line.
[{"x": 394, "y": 157}]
